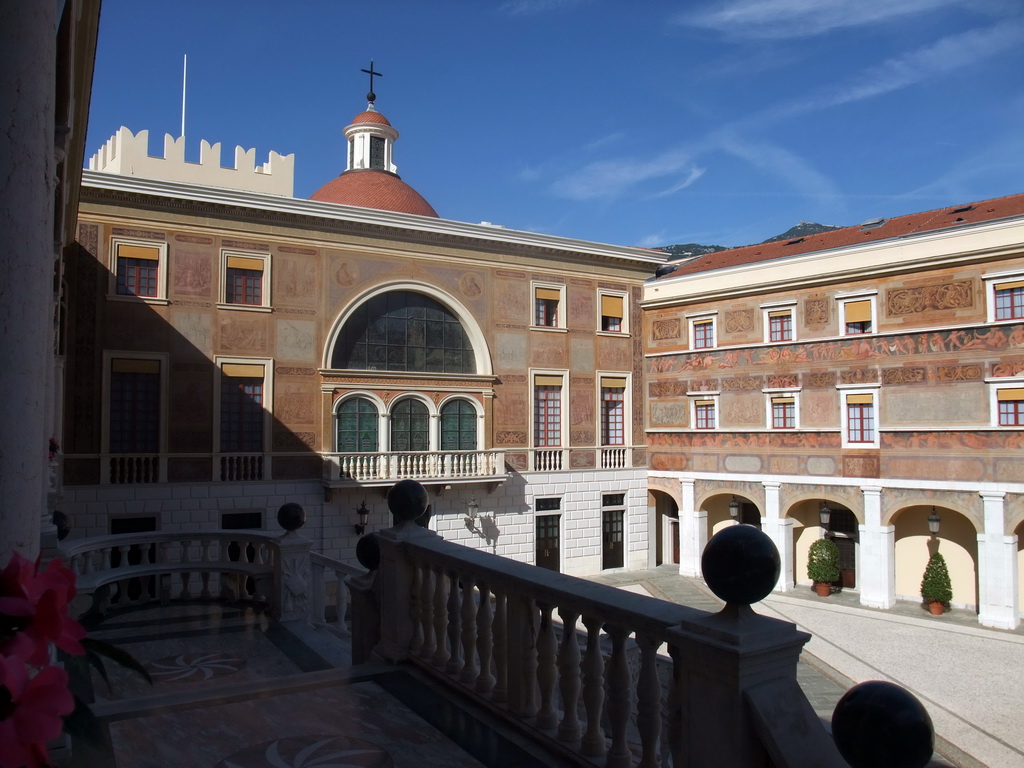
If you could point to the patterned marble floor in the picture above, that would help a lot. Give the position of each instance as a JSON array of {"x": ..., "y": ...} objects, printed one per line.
[{"x": 234, "y": 689}]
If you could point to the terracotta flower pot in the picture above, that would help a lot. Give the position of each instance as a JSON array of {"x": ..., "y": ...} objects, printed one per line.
[
  {"x": 822, "y": 588},
  {"x": 936, "y": 608}
]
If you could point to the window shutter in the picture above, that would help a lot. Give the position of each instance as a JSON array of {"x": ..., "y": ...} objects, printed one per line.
[
  {"x": 125, "y": 365},
  {"x": 551, "y": 294},
  {"x": 125, "y": 251},
  {"x": 859, "y": 399},
  {"x": 1009, "y": 395},
  {"x": 1009, "y": 286},
  {"x": 242, "y": 262},
  {"x": 612, "y": 382},
  {"x": 547, "y": 381},
  {"x": 858, "y": 311},
  {"x": 242, "y": 369},
  {"x": 611, "y": 306}
]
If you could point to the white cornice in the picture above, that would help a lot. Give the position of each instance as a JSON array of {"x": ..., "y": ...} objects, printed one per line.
[
  {"x": 363, "y": 216},
  {"x": 966, "y": 243}
]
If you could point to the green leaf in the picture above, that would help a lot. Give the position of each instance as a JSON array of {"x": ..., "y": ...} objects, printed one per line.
[
  {"x": 82, "y": 724},
  {"x": 116, "y": 654}
]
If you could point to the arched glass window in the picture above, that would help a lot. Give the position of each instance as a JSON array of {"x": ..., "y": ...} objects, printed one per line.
[
  {"x": 458, "y": 426},
  {"x": 410, "y": 426},
  {"x": 357, "y": 423},
  {"x": 404, "y": 331}
]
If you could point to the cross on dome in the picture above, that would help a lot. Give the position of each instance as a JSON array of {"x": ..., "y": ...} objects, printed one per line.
[{"x": 371, "y": 96}]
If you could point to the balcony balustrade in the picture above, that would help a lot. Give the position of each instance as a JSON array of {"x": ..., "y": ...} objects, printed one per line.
[{"x": 342, "y": 469}]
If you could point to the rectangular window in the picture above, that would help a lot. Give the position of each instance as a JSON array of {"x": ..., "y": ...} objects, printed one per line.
[
  {"x": 547, "y": 306},
  {"x": 857, "y": 317},
  {"x": 134, "y": 406},
  {"x": 612, "y": 313},
  {"x": 703, "y": 334},
  {"x": 1011, "y": 407},
  {"x": 547, "y": 411},
  {"x": 138, "y": 269},
  {"x": 780, "y": 325},
  {"x": 245, "y": 279},
  {"x": 860, "y": 418},
  {"x": 613, "y": 410},
  {"x": 241, "y": 407},
  {"x": 1009, "y": 300},
  {"x": 783, "y": 413},
  {"x": 704, "y": 414}
]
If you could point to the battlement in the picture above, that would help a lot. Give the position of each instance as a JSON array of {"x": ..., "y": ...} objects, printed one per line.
[{"x": 127, "y": 154}]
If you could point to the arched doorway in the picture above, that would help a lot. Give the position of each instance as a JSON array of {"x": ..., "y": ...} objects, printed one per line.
[
  {"x": 957, "y": 541},
  {"x": 666, "y": 543},
  {"x": 842, "y": 527}
]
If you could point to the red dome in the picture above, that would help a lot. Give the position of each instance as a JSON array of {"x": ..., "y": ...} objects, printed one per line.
[
  {"x": 370, "y": 117},
  {"x": 372, "y": 188}
]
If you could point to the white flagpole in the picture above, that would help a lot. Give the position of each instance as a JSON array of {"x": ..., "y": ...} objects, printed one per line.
[{"x": 184, "y": 73}]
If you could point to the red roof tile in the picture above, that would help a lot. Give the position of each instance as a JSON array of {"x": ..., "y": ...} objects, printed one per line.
[
  {"x": 370, "y": 117},
  {"x": 871, "y": 231},
  {"x": 373, "y": 188}
]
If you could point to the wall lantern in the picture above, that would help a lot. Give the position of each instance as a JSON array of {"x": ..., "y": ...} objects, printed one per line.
[
  {"x": 933, "y": 522},
  {"x": 734, "y": 509},
  {"x": 364, "y": 516},
  {"x": 824, "y": 515},
  {"x": 472, "y": 509}
]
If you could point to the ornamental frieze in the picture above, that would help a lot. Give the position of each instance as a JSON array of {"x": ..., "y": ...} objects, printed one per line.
[
  {"x": 859, "y": 376},
  {"x": 761, "y": 441},
  {"x": 816, "y": 312},
  {"x": 194, "y": 239},
  {"x": 511, "y": 275},
  {"x": 581, "y": 282},
  {"x": 739, "y": 321},
  {"x": 787, "y": 381},
  {"x": 954, "y": 441},
  {"x": 144, "y": 234},
  {"x": 611, "y": 286},
  {"x": 904, "y": 375},
  {"x": 959, "y": 373},
  {"x": 181, "y": 303},
  {"x": 247, "y": 245},
  {"x": 392, "y": 381},
  {"x": 284, "y": 370},
  {"x": 666, "y": 329},
  {"x": 861, "y": 466},
  {"x": 286, "y": 311},
  {"x": 820, "y": 380},
  {"x": 510, "y": 437},
  {"x": 514, "y": 378},
  {"x": 704, "y": 385},
  {"x": 297, "y": 249},
  {"x": 668, "y": 388},
  {"x": 1008, "y": 368},
  {"x": 742, "y": 384},
  {"x": 581, "y": 459},
  {"x": 911, "y": 301}
]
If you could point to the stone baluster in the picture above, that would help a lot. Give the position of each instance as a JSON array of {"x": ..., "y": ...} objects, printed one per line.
[
  {"x": 341, "y": 601},
  {"x": 547, "y": 672},
  {"x": 318, "y": 594},
  {"x": 593, "y": 744},
  {"x": 620, "y": 699},
  {"x": 454, "y": 625},
  {"x": 426, "y": 617},
  {"x": 105, "y": 558},
  {"x": 522, "y": 655},
  {"x": 441, "y": 654},
  {"x": 415, "y": 610},
  {"x": 484, "y": 640},
  {"x": 569, "y": 676},
  {"x": 648, "y": 706},
  {"x": 500, "y": 691},
  {"x": 468, "y": 616},
  {"x": 292, "y": 571},
  {"x": 183, "y": 578},
  {"x": 675, "y": 714}
]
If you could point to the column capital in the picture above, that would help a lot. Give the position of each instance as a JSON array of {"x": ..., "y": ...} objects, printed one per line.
[
  {"x": 992, "y": 495},
  {"x": 871, "y": 490}
]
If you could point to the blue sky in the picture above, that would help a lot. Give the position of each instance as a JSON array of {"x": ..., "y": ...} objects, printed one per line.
[{"x": 634, "y": 123}]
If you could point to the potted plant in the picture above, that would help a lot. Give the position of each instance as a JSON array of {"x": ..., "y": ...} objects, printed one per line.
[
  {"x": 936, "y": 588},
  {"x": 823, "y": 565}
]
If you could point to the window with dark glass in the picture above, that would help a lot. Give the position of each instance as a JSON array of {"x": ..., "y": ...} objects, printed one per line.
[
  {"x": 458, "y": 426},
  {"x": 545, "y": 306},
  {"x": 241, "y": 407},
  {"x": 703, "y": 334},
  {"x": 613, "y": 410},
  {"x": 857, "y": 316},
  {"x": 134, "y": 406},
  {"x": 404, "y": 331},
  {"x": 783, "y": 413},
  {"x": 138, "y": 270},
  {"x": 611, "y": 313},
  {"x": 357, "y": 422},
  {"x": 780, "y": 325},
  {"x": 1011, "y": 407},
  {"x": 704, "y": 414},
  {"x": 377, "y": 152},
  {"x": 410, "y": 426},
  {"x": 860, "y": 418},
  {"x": 1009, "y": 300},
  {"x": 243, "y": 281}
]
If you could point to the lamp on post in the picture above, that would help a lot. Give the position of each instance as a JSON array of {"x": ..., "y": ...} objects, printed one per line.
[
  {"x": 734, "y": 509},
  {"x": 824, "y": 515},
  {"x": 933, "y": 522},
  {"x": 364, "y": 516}
]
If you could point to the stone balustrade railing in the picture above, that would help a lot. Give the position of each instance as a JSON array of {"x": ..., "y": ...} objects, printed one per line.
[
  {"x": 342, "y": 468},
  {"x": 587, "y": 669},
  {"x": 329, "y": 575}
]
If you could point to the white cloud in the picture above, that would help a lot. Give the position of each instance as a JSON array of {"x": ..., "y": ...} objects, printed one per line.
[
  {"x": 694, "y": 174},
  {"x": 655, "y": 240},
  {"x": 781, "y": 19},
  {"x": 612, "y": 178}
]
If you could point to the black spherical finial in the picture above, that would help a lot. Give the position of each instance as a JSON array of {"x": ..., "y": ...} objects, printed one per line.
[
  {"x": 368, "y": 552},
  {"x": 881, "y": 725},
  {"x": 291, "y": 516},
  {"x": 407, "y": 500},
  {"x": 371, "y": 97},
  {"x": 741, "y": 564}
]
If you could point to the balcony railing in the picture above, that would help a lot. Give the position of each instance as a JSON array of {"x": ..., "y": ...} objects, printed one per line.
[
  {"x": 349, "y": 468},
  {"x": 130, "y": 469}
]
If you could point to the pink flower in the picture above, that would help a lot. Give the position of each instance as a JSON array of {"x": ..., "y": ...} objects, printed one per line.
[
  {"x": 30, "y": 712},
  {"x": 34, "y": 611}
]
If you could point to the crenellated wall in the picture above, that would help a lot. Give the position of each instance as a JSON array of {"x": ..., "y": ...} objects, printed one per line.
[{"x": 127, "y": 154}]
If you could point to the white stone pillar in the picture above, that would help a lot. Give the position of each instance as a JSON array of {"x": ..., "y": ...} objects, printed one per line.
[
  {"x": 780, "y": 531},
  {"x": 997, "y": 567},
  {"x": 28, "y": 33},
  {"x": 693, "y": 531},
  {"x": 876, "y": 566}
]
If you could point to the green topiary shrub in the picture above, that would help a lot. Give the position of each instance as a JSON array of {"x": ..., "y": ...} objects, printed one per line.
[
  {"x": 823, "y": 561},
  {"x": 936, "y": 586}
]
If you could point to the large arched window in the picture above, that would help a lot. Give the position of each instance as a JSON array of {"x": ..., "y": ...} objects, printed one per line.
[
  {"x": 458, "y": 426},
  {"x": 410, "y": 426},
  {"x": 404, "y": 331},
  {"x": 357, "y": 424}
]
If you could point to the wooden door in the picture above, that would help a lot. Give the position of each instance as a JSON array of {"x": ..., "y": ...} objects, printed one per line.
[
  {"x": 547, "y": 542},
  {"x": 611, "y": 530}
]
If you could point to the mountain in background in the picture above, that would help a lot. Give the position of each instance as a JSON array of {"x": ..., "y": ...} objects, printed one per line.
[{"x": 693, "y": 250}]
